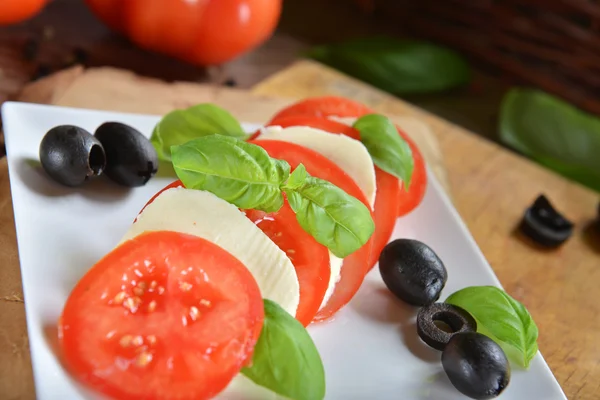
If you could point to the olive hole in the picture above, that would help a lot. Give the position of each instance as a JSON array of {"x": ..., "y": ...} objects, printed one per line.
[
  {"x": 96, "y": 159},
  {"x": 447, "y": 322},
  {"x": 441, "y": 325}
]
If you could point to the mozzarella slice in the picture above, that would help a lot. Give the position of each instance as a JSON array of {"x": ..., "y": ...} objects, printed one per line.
[
  {"x": 205, "y": 215},
  {"x": 349, "y": 154},
  {"x": 335, "y": 264}
]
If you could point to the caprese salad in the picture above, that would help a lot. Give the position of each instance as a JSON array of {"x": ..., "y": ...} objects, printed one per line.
[{"x": 210, "y": 290}]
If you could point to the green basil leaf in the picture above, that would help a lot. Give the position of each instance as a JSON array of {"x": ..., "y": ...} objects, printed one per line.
[
  {"x": 334, "y": 218},
  {"x": 387, "y": 148},
  {"x": 241, "y": 173},
  {"x": 285, "y": 358},
  {"x": 502, "y": 318},
  {"x": 553, "y": 133},
  {"x": 180, "y": 126},
  {"x": 297, "y": 178},
  {"x": 396, "y": 66}
]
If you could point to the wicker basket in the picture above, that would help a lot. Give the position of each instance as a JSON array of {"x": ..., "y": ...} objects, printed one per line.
[{"x": 551, "y": 44}]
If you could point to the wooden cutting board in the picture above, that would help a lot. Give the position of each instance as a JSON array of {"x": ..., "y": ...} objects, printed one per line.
[{"x": 490, "y": 189}]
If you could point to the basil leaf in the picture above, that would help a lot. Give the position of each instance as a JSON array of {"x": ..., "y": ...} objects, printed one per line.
[
  {"x": 553, "y": 133},
  {"x": 396, "y": 66},
  {"x": 334, "y": 218},
  {"x": 502, "y": 318},
  {"x": 180, "y": 126},
  {"x": 238, "y": 172},
  {"x": 387, "y": 148},
  {"x": 285, "y": 358},
  {"x": 297, "y": 178}
]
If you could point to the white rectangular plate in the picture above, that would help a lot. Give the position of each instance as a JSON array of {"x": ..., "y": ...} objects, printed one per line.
[{"x": 370, "y": 351}]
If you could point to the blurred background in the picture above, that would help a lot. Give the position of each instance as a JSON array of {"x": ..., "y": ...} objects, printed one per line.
[{"x": 522, "y": 74}]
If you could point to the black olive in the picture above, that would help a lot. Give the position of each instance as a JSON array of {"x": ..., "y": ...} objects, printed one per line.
[
  {"x": 476, "y": 365},
  {"x": 412, "y": 271},
  {"x": 71, "y": 155},
  {"x": 131, "y": 160},
  {"x": 544, "y": 225},
  {"x": 438, "y": 322}
]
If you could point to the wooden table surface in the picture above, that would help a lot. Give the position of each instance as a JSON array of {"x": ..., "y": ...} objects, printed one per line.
[{"x": 490, "y": 186}]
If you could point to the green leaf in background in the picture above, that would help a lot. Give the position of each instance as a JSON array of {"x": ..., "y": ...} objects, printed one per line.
[
  {"x": 502, "y": 318},
  {"x": 285, "y": 358},
  {"x": 396, "y": 66},
  {"x": 334, "y": 218},
  {"x": 388, "y": 150},
  {"x": 238, "y": 172},
  {"x": 553, "y": 133},
  {"x": 181, "y": 126}
]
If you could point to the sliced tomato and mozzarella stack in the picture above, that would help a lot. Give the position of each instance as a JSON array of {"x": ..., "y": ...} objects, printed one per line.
[{"x": 293, "y": 218}]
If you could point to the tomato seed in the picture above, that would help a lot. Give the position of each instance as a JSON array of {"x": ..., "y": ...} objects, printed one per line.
[
  {"x": 132, "y": 304},
  {"x": 137, "y": 341},
  {"x": 185, "y": 287},
  {"x": 125, "y": 341},
  {"x": 152, "y": 306},
  {"x": 143, "y": 359},
  {"x": 194, "y": 313},
  {"x": 142, "y": 285},
  {"x": 151, "y": 339},
  {"x": 138, "y": 291},
  {"x": 119, "y": 298},
  {"x": 161, "y": 290},
  {"x": 153, "y": 285},
  {"x": 205, "y": 303}
]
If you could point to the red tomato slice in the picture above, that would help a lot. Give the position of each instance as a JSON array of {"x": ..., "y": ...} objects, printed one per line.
[
  {"x": 310, "y": 258},
  {"x": 418, "y": 184},
  {"x": 356, "y": 265},
  {"x": 317, "y": 123},
  {"x": 163, "y": 316},
  {"x": 325, "y": 106},
  {"x": 328, "y": 106}
]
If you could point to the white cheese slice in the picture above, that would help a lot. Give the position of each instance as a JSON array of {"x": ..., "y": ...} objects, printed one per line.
[
  {"x": 335, "y": 263},
  {"x": 349, "y": 154},
  {"x": 207, "y": 216}
]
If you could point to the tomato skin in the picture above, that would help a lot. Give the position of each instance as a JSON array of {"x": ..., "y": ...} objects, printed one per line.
[
  {"x": 325, "y": 106},
  {"x": 329, "y": 106},
  {"x": 205, "y": 32},
  {"x": 387, "y": 199},
  {"x": 173, "y": 359},
  {"x": 356, "y": 265},
  {"x": 322, "y": 123},
  {"x": 13, "y": 11},
  {"x": 418, "y": 184}
]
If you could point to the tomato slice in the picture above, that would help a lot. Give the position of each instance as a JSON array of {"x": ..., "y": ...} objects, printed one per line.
[
  {"x": 325, "y": 106},
  {"x": 163, "y": 316},
  {"x": 322, "y": 123},
  {"x": 328, "y": 106},
  {"x": 418, "y": 184},
  {"x": 356, "y": 265},
  {"x": 309, "y": 258}
]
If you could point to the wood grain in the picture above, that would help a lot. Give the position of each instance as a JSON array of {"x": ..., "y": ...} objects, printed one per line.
[{"x": 491, "y": 188}]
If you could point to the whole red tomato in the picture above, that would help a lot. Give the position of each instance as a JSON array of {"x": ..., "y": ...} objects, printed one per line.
[
  {"x": 13, "y": 11},
  {"x": 204, "y": 32}
]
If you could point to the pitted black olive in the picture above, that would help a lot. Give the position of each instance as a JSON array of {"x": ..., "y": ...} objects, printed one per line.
[
  {"x": 71, "y": 155},
  {"x": 131, "y": 160},
  {"x": 412, "y": 271},
  {"x": 476, "y": 365},
  {"x": 438, "y": 322},
  {"x": 545, "y": 225}
]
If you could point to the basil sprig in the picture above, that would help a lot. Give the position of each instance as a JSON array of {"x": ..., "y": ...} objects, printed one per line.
[
  {"x": 502, "y": 318},
  {"x": 285, "y": 358},
  {"x": 246, "y": 176},
  {"x": 387, "y": 148},
  {"x": 180, "y": 126}
]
